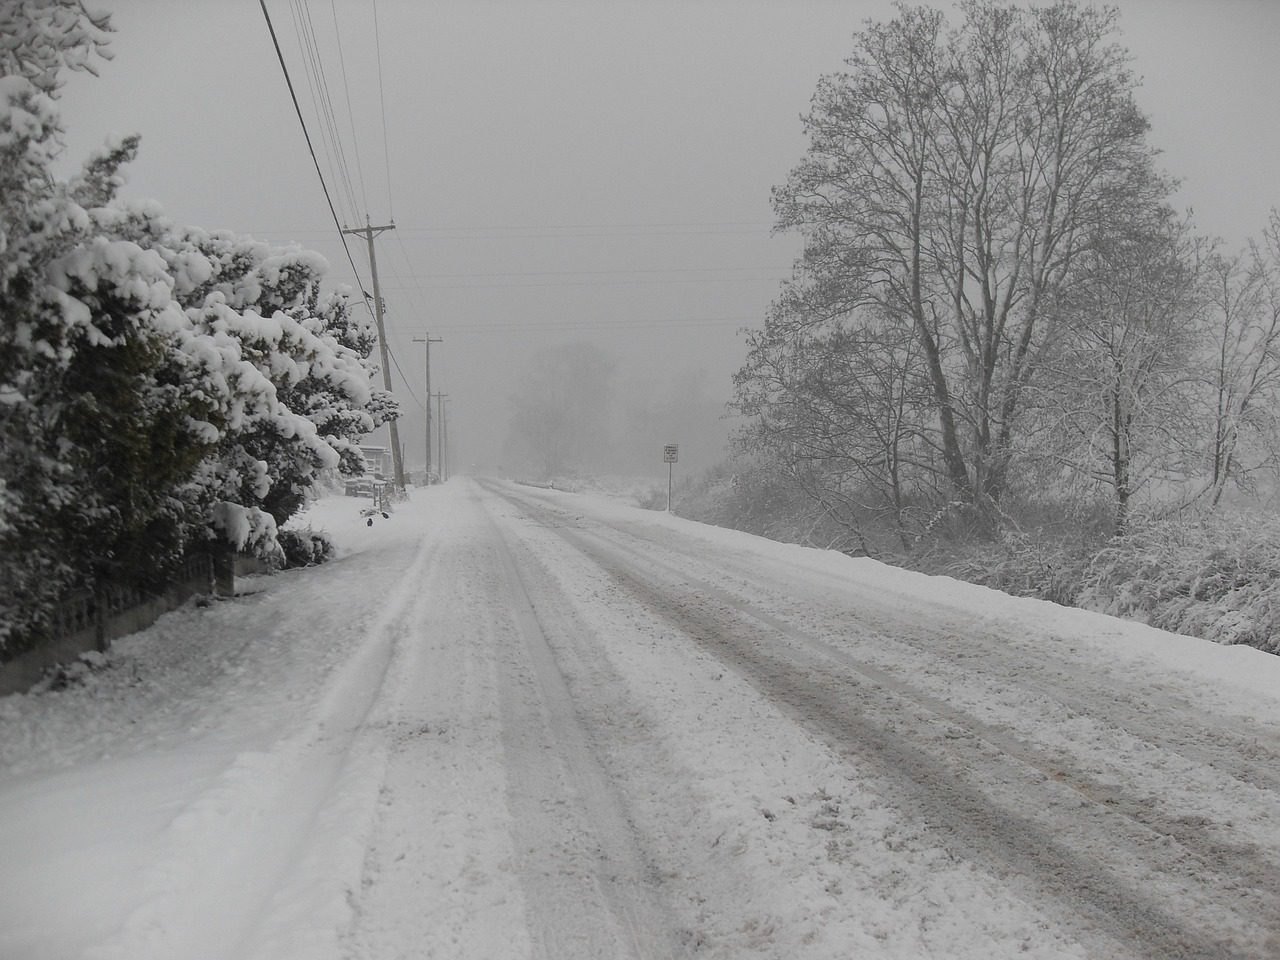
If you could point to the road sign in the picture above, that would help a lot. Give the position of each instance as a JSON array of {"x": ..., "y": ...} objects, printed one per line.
[{"x": 670, "y": 454}]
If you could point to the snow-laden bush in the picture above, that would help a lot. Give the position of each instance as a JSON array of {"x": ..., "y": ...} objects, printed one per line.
[
  {"x": 751, "y": 494},
  {"x": 161, "y": 388},
  {"x": 1023, "y": 565},
  {"x": 305, "y": 547},
  {"x": 1217, "y": 578}
]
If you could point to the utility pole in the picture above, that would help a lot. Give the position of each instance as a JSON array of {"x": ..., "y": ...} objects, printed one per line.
[
  {"x": 427, "y": 341},
  {"x": 440, "y": 437},
  {"x": 368, "y": 232},
  {"x": 444, "y": 451}
]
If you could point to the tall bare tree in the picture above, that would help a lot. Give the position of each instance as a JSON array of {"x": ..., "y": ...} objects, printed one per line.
[
  {"x": 1243, "y": 371},
  {"x": 843, "y": 412},
  {"x": 952, "y": 179},
  {"x": 1121, "y": 402}
]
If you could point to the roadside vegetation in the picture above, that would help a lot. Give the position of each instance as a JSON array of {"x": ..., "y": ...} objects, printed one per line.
[
  {"x": 1004, "y": 355},
  {"x": 163, "y": 389}
]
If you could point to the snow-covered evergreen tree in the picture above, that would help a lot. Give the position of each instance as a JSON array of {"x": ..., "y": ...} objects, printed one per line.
[
  {"x": 160, "y": 387},
  {"x": 39, "y": 222}
]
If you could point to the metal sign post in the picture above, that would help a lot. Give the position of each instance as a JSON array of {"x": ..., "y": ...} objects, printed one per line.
[{"x": 671, "y": 454}]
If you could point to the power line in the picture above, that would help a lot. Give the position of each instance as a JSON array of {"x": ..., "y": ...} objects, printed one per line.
[
  {"x": 332, "y": 113},
  {"x": 386, "y": 152},
  {"x": 322, "y": 98},
  {"x": 507, "y": 326},
  {"x": 608, "y": 230},
  {"x": 405, "y": 380},
  {"x": 308, "y": 71},
  {"x": 586, "y": 284},
  {"x": 417, "y": 287},
  {"x": 351, "y": 114},
  {"x": 602, "y": 226},
  {"x": 322, "y": 121},
  {"x": 298, "y": 110},
  {"x": 584, "y": 273}
]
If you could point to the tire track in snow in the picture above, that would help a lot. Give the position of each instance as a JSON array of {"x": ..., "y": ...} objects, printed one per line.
[
  {"x": 873, "y": 710},
  {"x": 1235, "y": 865},
  {"x": 591, "y": 893},
  {"x": 280, "y": 887},
  {"x": 1240, "y": 766},
  {"x": 997, "y": 660},
  {"x": 965, "y": 814},
  {"x": 1244, "y": 752}
]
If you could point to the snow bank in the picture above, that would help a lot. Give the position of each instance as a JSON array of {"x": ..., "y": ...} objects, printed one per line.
[
  {"x": 1104, "y": 636},
  {"x": 171, "y": 788}
]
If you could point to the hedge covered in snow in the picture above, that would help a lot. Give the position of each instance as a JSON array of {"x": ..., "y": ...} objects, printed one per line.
[
  {"x": 161, "y": 388},
  {"x": 1218, "y": 579},
  {"x": 1206, "y": 574},
  {"x": 1210, "y": 576}
]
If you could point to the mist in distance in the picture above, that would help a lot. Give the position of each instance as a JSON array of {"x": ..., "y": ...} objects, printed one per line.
[{"x": 577, "y": 177}]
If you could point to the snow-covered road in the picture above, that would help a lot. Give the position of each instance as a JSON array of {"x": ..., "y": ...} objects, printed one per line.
[{"x": 518, "y": 723}]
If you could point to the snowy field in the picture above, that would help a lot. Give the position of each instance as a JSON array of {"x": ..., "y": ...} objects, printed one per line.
[{"x": 512, "y": 722}]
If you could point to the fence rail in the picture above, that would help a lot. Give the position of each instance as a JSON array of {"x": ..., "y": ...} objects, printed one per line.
[{"x": 90, "y": 619}]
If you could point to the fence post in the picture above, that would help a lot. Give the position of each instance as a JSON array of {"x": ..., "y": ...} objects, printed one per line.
[
  {"x": 100, "y": 618},
  {"x": 224, "y": 571}
]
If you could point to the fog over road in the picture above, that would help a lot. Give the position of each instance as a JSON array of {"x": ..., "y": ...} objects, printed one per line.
[{"x": 512, "y": 722}]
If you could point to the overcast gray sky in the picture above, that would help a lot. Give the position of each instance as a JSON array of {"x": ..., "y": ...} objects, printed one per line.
[{"x": 580, "y": 171}]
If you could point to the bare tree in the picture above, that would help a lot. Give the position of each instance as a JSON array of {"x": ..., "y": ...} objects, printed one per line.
[
  {"x": 562, "y": 408},
  {"x": 951, "y": 181},
  {"x": 844, "y": 413},
  {"x": 1243, "y": 371},
  {"x": 1121, "y": 404}
]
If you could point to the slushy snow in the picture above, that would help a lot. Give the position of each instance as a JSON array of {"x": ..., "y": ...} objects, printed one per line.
[{"x": 510, "y": 722}]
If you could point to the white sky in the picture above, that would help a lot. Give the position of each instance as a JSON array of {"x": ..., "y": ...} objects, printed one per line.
[{"x": 594, "y": 170}]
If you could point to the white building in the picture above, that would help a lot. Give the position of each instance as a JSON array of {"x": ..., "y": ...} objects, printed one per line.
[{"x": 377, "y": 461}]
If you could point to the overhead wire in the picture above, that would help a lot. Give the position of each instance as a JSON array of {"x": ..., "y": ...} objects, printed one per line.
[
  {"x": 583, "y": 273},
  {"x": 320, "y": 173},
  {"x": 355, "y": 146},
  {"x": 351, "y": 115},
  {"x": 331, "y": 112},
  {"x": 308, "y": 73},
  {"x": 586, "y": 284},
  {"x": 382, "y": 103},
  {"x": 326, "y": 141},
  {"x": 403, "y": 379},
  {"x": 324, "y": 100},
  {"x": 508, "y": 326},
  {"x": 337, "y": 158},
  {"x": 614, "y": 231},
  {"x": 310, "y": 146}
]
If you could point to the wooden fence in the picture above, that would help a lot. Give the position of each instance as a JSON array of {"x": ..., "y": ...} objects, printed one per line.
[{"x": 91, "y": 619}]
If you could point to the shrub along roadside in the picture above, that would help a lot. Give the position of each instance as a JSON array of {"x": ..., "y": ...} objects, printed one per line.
[
  {"x": 163, "y": 390},
  {"x": 1217, "y": 578},
  {"x": 1206, "y": 575},
  {"x": 305, "y": 547}
]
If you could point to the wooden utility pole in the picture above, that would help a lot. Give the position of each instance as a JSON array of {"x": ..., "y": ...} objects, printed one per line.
[
  {"x": 440, "y": 438},
  {"x": 368, "y": 231},
  {"x": 444, "y": 450},
  {"x": 427, "y": 341}
]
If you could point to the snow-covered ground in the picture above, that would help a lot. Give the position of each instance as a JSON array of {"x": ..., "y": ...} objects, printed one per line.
[{"x": 512, "y": 722}]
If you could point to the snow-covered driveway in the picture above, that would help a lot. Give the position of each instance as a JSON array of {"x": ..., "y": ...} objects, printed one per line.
[{"x": 511, "y": 722}]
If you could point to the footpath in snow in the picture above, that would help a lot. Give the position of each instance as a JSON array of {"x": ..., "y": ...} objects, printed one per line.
[{"x": 511, "y": 722}]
